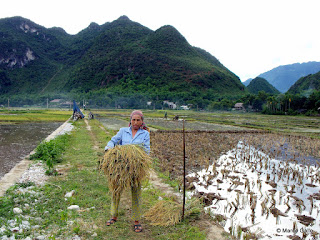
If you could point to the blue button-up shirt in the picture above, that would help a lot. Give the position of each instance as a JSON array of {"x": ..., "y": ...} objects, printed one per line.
[{"x": 124, "y": 136}]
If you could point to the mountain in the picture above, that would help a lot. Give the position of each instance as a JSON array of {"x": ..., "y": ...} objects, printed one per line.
[
  {"x": 247, "y": 82},
  {"x": 261, "y": 84},
  {"x": 306, "y": 85},
  {"x": 122, "y": 57},
  {"x": 283, "y": 77}
]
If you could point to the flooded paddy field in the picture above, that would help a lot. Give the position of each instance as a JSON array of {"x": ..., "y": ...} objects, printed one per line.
[
  {"x": 18, "y": 140},
  {"x": 113, "y": 123},
  {"x": 253, "y": 183},
  {"x": 191, "y": 125}
]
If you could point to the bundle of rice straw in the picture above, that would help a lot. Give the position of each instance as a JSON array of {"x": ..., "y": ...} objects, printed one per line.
[
  {"x": 169, "y": 212},
  {"x": 124, "y": 166},
  {"x": 164, "y": 213}
]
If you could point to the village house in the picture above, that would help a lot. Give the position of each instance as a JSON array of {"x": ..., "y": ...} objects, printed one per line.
[
  {"x": 171, "y": 105},
  {"x": 239, "y": 107}
]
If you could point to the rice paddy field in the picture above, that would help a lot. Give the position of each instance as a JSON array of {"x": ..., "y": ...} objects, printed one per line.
[
  {"x": 21, "y": 130},
  {"x": 257, "y": 175},
  {"x": 18, "y": 140},
  {"x": 20, "y": 115},
  {"x": 258, "y": 184},
  {"x": 293, "y": 125}
]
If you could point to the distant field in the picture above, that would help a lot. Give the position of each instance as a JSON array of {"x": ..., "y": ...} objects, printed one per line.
[
  {"x": 298, "y": 125},
  {"x": 26, "y": 115}
]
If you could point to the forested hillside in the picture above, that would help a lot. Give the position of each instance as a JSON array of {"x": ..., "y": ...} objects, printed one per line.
[
  {"x": 260, "y": 84},
  {"x": 306, "y": 85},
  {"x": 109, "y": 62}
]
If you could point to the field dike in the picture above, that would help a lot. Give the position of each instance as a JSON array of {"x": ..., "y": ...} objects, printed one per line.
[
  {"x": 15, "y": 173},
  {"x": 75, "y": 204}
]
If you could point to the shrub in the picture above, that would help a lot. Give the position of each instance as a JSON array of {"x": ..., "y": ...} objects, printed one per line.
[{"x": 51, "y": 152}]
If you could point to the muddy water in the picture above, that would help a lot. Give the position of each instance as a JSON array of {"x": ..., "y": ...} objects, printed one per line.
[{"x": 18, "y": 140}]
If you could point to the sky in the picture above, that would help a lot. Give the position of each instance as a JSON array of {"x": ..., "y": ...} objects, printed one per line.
[{"x": 249, "y": 37}]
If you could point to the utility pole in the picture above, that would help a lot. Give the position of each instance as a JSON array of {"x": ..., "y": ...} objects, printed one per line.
[
  {"x": 8, "y": 103},
  {"x": 184, "y": 170},
  {"x": 47, "y": 103}
]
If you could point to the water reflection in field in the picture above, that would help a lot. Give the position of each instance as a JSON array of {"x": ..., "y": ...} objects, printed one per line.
[
  {"x": 113, "y": 123},
  {"x": 18, "y": 140}
]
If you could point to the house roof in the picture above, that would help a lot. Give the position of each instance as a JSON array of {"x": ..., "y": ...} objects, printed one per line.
[
  {"x": 55, "y": 100},
  {"x": 238, "y": 105}
]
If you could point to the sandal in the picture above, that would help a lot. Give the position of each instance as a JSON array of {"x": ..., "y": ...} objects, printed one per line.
[
  {"x": 137, "y": 228},
  {"x": 111, "y": 221}
]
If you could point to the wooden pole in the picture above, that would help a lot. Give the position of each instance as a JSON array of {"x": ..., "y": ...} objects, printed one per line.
[{"x": 184, "y": 171}]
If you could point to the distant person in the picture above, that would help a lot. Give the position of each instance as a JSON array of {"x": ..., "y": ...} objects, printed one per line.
[
  {"x": 165, "y": 115},
  {"x": 136, "y": 133},
  {"x": 76, "y": 111},
  {"x": 91, "y": 116}
]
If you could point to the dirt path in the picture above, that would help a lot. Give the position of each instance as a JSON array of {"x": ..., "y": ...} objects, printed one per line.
[
  {"x": 214, "y": 231},
  {"x": 94, "y": 139}
]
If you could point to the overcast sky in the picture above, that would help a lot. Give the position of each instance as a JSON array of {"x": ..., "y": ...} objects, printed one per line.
[{"x": 249, "y": 37}]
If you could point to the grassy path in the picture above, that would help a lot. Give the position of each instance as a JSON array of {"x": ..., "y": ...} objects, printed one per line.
[{"x": 46, "y": 208}]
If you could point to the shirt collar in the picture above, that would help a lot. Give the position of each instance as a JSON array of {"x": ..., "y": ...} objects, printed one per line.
[{"x": 129, "y": 130}]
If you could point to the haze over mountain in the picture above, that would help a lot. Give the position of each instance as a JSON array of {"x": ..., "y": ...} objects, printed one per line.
[
  {"x": 123, "y": 57},
  {"x": 283, "y": 77},
  {"x": 261, "y": 84}
]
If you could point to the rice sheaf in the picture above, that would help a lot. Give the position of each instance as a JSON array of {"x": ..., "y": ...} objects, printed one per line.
[{"x": 124, "y": 166}]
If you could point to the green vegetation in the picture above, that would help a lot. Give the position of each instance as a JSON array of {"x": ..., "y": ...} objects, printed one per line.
[
  {"x": 306, "y": 85},
  {"x": 51, "y": 152},
  {"x": 260, "y": 84}
]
